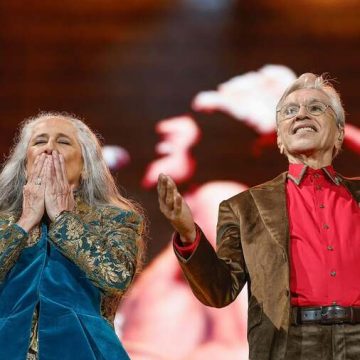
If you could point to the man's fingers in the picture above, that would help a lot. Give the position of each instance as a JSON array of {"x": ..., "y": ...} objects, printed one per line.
[
  {"x": 167, "y": 191},
  {"x": 169, "y": 198},
  {"x": 171, "y": 183},
  {"x": 161, "y": 187},
  {"x": 170, "y": 194},
  {"x": 177, "y": 204}
]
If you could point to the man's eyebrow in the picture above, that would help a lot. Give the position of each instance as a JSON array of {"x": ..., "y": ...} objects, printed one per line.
[
  {"x": 315, "y": 99},
  {"x": 312, "y": 99}
]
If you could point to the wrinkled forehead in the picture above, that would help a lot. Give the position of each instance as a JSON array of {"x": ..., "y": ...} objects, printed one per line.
[
  {"x": 53, "y": 126},
  {"x": 304, "y": 96}
]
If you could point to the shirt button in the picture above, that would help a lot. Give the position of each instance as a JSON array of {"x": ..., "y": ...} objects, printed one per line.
[
  {"x": 321, "y": 206},
  {"x": 318, "y": 187},
  {"x": 330, "y": 248},
  {"x": 333, "y": 273},
  {"x": 325, "y": 226}
]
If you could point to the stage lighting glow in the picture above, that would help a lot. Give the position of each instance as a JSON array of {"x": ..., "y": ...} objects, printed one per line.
[{"x": 210, "y": 4}]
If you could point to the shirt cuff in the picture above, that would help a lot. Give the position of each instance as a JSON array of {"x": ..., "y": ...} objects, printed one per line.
[
  {"x": 19, "y": 228},
  {"x": 186, "y": 250}
]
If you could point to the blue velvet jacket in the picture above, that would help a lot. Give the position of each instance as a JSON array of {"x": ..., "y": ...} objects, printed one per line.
[{"x": 56, "y": 280}]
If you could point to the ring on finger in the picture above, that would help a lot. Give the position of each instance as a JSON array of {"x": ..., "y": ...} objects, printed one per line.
[{"x": 38, "y": 181}]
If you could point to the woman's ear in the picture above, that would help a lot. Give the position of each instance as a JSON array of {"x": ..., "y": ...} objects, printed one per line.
[
  {"x": 83, "y": 175},
  {"x": 25, "y": 171}
]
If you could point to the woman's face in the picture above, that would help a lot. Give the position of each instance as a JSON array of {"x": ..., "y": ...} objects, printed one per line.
[{"x": 56, "y": 133}]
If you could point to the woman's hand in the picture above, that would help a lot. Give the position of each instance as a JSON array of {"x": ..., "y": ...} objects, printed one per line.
[
  {"x": 58, "y": 192},
  {"x": 175, "y": 209},
  {"x": 33, "y": 195}
]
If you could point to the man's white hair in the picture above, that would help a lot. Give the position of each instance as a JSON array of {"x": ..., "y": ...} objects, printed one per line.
[{"x": 312, "y": 81}]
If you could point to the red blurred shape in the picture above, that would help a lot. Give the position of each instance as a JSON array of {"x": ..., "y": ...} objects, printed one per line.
[
  {"x": 352, "y": 137},
  {"x": 178, "y": 135}
]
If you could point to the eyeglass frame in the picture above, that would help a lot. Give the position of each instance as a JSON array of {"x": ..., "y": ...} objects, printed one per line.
[{"x": 306, "y": 108}]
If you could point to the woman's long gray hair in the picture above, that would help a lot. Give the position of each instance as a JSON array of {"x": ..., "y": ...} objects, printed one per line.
[{"x": 97, "y": 185}]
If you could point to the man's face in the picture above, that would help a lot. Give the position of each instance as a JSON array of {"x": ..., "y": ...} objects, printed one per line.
[{"x": 305, "y": 133}]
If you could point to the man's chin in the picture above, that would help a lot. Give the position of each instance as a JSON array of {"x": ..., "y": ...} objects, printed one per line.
[{"x": 302, "y": 148}]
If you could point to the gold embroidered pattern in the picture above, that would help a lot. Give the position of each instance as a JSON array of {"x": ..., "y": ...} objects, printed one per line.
[
  {"x": 34, "y": 236},
  {"x": 12, "y": 241},
  {"x": 102, "y": 243},
  {"x": 34, "y": 338}
]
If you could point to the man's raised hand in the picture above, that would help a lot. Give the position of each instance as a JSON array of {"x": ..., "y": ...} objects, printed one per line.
[{"x": 175, "y": 209}]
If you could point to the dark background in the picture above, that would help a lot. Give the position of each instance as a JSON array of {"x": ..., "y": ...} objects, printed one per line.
[{"x": 123, "y": 65}]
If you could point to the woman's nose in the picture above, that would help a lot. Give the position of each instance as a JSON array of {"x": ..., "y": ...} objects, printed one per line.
[{"x": 49, "y": 148}]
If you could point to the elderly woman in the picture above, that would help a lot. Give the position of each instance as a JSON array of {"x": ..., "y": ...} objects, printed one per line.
[{"x": 70, "y": 245}]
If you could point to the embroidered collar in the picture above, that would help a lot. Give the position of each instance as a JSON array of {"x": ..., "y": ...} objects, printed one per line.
[{"x": 297, "y": 173}]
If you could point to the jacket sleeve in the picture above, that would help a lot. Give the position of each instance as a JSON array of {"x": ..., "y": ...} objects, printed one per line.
[
  {"x": 105, "y": 248},
  {"x": 216, "y": 278},
  {"x": 12, "y": 241}
]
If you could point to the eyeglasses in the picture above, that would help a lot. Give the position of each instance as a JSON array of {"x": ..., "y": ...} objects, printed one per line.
[{"x": 315, "y": 108}]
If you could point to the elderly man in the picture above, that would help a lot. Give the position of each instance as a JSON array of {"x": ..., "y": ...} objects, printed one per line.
[{"x": 294, "y": 240}]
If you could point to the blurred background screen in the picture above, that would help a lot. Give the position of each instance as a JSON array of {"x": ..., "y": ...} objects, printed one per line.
[{"x": 185, "y": 87}]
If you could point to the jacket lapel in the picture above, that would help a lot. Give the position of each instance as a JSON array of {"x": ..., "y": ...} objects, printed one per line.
[
  {"x": 353, "y": 186},
  {"x": 270, "y": 199}
]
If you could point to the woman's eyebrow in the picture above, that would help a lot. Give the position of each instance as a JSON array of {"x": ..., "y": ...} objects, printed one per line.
[
  {"x": 47, "y": 135},
  {"x": 63, "y": 135},
  {"x": 41, "y": 135}
]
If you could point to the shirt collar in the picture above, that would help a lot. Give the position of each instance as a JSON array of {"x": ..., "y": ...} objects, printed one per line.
[{"x": 297, "y": 173}]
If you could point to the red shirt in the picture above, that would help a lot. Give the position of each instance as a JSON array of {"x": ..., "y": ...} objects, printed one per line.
[
  {"x": 324, "y": 239},
  {"x": 324, "y": 248}
]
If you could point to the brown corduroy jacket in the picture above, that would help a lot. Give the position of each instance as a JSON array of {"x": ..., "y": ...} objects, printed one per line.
[{"x": 252, "y": 248}]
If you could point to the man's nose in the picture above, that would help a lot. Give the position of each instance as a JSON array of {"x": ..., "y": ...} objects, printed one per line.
[{"x": 302, "y": 113}]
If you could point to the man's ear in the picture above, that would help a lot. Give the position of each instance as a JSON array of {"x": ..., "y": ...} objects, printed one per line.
[
  {"x": 339, "y": 139},
  {"x": 341, "y": 134},
  {"x": 280, "y": 144}
]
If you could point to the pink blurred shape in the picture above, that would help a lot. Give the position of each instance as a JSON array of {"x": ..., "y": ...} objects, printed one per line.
[
  {"x": 161, "y": 318},
  {"x": 352, "y": 137},
  {"x": 115, "y": 156},
  {"x": 250, "y": 98},
  {"x": 178, "y": 135},
  {"x": 204, "y": 203}
]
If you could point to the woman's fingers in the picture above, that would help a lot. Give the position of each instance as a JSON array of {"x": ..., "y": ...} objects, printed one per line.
[
  {"x": 36, "y": 171},
  {"x": 63, "y": 168},
  {"x": 57, "y": 168},
  {"x": 47, "y": 174},
  {"x": 44, "y": 170}
]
